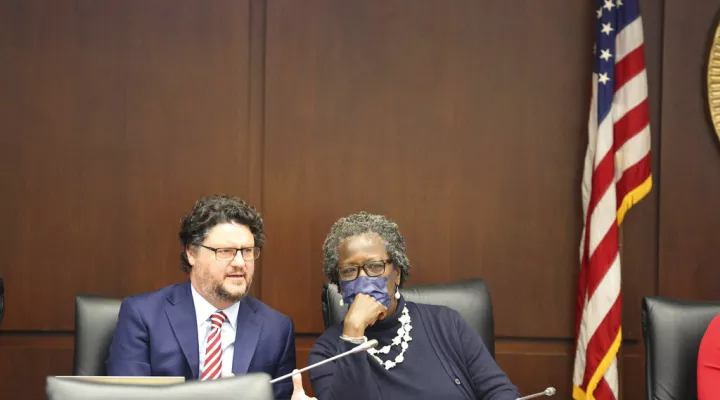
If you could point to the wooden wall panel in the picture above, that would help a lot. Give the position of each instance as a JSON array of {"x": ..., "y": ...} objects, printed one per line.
[
  {"x": 690, "y": 159},
  {"x": 639, "y": 231},
  {"x": 632, "y": 371},
  {"x": 427, "y": 115},
  {"x": 116, "y": 116},
  {"x": 252, "y": 150},
  {"x": 534, "y": 365},
  {"x": 464, "y": 121},
  {"x": 26, "y": 359},
  {"x": 303, "y": 344}
]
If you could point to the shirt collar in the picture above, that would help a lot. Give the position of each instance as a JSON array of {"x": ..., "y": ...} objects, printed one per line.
[{"x": 203, "y": 309}]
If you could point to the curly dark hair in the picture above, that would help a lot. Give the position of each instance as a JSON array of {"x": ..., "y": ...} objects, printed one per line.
[
  {"x": 212, "y": 210},
  {"x": 365, "y": 223}
]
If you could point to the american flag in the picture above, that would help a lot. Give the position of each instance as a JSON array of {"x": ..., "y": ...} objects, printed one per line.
[{"x": 616, "y": 175}]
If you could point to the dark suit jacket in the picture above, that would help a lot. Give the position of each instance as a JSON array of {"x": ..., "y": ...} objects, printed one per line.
[{"x": 157, "y": 335}]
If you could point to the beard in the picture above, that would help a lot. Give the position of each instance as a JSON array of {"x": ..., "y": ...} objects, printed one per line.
[{"x": 219, "y": 292}]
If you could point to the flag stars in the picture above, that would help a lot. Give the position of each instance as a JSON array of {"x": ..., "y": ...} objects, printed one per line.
[
  {"x": 603, "y": 78},
  {"x": 599, "y": 13},
  {"x": 607, "y": 28},
  {"x": 605, "y": 54},
  {"x": 619, "y": 3},
  {"x": 609, "y": 5}
]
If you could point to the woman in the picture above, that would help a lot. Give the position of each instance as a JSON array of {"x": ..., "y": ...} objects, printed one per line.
[
  {"x": 708, "y": 364},
  {"x": 424, "y": 351}
]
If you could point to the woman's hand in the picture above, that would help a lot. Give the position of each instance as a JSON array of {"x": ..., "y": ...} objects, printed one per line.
[
  {"x": 298, "y": 391},
  {"x": 363, "y": 312}
]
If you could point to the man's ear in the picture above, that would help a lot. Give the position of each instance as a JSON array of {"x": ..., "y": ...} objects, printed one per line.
[{"x": 191, "y": 253}]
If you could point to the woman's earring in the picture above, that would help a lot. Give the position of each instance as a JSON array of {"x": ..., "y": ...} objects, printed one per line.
[{"x": 397, "y": 292}]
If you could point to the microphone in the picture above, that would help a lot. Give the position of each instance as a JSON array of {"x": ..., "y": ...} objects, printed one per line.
[
  {"x": 362, "y": 347},
  {"x": 547, "y": 392}
]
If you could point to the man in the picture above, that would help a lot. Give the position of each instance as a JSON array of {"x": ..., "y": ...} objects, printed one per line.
[{"x": 207, "y": 327}]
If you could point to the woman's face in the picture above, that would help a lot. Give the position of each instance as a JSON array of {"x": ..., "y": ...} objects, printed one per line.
[{"x": 361, "y": 249}]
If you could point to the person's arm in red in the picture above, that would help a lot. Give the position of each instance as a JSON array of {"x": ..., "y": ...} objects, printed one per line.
[{"x": 708, "y": 366}]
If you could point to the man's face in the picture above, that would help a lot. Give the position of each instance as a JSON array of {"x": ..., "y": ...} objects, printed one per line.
[{"x": 222, "y": 282}]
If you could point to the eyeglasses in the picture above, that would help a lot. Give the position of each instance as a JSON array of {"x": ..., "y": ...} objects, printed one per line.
[
  {"x": 371, "y": 268},
  {"x": 229, "y": 253}
]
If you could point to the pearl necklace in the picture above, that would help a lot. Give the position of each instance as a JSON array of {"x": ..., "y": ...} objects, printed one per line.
[{"x": 402, "y": 339}]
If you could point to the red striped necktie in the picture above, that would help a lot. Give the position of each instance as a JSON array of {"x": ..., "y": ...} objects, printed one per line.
[{"x": 213, "y": 350}]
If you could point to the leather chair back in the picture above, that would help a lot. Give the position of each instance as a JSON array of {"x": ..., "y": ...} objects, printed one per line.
[
  {"x": 672, "y": 331},
  {"x": 470, "y": 298},
  {"x": 95, "y": 321}
]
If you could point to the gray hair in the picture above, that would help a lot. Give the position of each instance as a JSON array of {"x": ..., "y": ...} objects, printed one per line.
[{"x": 365, "y": 223}]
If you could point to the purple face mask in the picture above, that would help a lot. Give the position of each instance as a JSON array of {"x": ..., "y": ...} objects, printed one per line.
[{"x": 375, "y": 287}]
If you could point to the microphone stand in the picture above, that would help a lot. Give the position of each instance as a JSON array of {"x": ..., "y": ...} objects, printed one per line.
[
  {"x": 365, "y": 346},
  {"x": 547, "y": 392}
]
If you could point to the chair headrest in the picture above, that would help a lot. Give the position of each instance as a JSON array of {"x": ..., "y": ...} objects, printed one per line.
[
  {"x": 95, "y": 321},
  {"x": 470, "y": 298},
  {"x": 672, "y": 331}
]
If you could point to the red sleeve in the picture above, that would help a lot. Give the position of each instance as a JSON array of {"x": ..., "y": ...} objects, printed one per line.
[{"x": 709, "y": 363}]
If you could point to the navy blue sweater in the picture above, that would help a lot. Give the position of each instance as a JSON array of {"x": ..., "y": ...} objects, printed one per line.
[{"x": 445, "y": 359}]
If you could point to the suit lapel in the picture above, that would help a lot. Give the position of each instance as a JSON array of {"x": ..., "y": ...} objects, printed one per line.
[
  {"x": 249, "y": 326},
  {"x": 181, "y": 313}
]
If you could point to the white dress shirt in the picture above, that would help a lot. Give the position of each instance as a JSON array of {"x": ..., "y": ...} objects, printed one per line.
[{"x": 203, "y": 311}]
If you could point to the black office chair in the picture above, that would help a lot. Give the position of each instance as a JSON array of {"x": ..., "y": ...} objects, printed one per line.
[
  {"x": 672, "y": 330},
  {"x": 95, "y": 320},
  {"x": 470, "y": 298}
]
